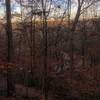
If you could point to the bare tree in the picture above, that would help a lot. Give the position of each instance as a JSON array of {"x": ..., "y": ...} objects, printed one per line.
[
  {"x": 81, "y": 9},
  {"x": 83, "y": 5},
  {"x": 10, "y": 85},
  {"x": 45, "y": 42}
]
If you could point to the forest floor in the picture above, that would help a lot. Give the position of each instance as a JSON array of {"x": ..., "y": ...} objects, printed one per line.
[{"x": 27, "y": 93}]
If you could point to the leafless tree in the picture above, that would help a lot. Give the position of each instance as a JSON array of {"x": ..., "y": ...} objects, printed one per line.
[
  {"x": 10, "y": 85},
  {"x": 83, "y": 5}
]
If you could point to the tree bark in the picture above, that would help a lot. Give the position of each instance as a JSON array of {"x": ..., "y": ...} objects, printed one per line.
[
  {"x": 10, "y": 85},
  {"x": 45, "y": 85},
  {"x": 76, "y": 19}
]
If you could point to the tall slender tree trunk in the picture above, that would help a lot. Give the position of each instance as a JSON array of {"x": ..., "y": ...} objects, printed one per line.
[
  {"x": 45, "y": 82},
  {"x": 10, "y": 86},
  {"x": 76, "y": 19},
  {"x": 32, "y": 36},
  {"x": 31, "y": 49},
  {"x": 73, "y": 28},
  {"x": 45, "y": 58}
]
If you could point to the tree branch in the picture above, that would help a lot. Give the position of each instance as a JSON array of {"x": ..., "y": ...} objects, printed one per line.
[{"x": 93, "y": 2}]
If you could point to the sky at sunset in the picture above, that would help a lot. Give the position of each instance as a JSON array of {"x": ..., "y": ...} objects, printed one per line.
[{"x": 16, "y": 7}]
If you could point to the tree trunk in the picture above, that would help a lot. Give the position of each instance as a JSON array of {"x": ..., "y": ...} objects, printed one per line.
[
  {"x": 45, "y": 80},
  {"x": 10, "y": 85},
  {"x": 73, "y": 28},
  {"x": 76, "y": 19}
]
